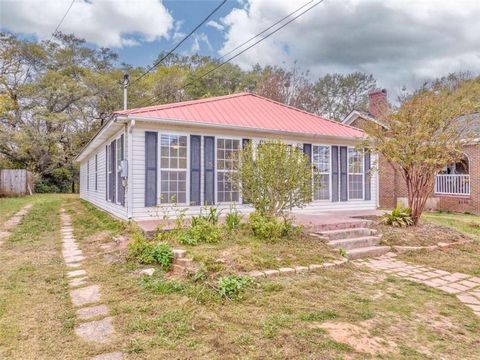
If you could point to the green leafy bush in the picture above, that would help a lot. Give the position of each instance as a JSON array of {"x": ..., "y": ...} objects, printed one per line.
[
  {"x": 233, "y": 220},
  {"x": 201, "y": 231},
  {"x": 269, "y": 227},
  {"x": 399, "y": 217},
  {"x": 232, "y": 286},
  {"x": 147, "y": 252},
  {"x": 162, "y": 253}
]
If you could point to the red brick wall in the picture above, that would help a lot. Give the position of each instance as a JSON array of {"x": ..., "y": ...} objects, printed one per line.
[
  {"x": 466, "y": 203},
  {"x": 392, "y": 185}
]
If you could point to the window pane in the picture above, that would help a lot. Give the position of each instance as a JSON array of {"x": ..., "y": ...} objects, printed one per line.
[
  {"x": 173, "y": 157},
  {"x": 227, "y": 151}
]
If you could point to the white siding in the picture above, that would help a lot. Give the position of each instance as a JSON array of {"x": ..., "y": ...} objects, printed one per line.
[
  {"x": 98, "y": 197},
  {"x": 140, "y": 212}
]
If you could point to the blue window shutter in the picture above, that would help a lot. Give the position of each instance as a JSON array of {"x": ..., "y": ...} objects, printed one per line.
[
  {"x": 209, "y": 169},
  {"x": 307, "y": 150},
  {"x": 106, "y": 172},
  {"x": 151, "y": 159},
  {"x": 195, "y": 169},
  {"x": 335, "y": 173},
  {"x": 343, "y": 174},
  {"x": 121, "y": 188},
  {"x": 368, "y": 177},
  {"x": 245, "y": 142}
]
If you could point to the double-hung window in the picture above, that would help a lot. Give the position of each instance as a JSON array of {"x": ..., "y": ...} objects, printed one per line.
[
  {"x": 96, "y": 172},
  {"x": 355, "y": 174},
  {"x": 173, "y": 165},
  {"x": 321, "y": 177},
  {"x": 88, "y": 175},
  {"x": 227, "y": 155}
]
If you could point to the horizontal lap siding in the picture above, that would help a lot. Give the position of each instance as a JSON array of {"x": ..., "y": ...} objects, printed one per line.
[
  {"x": 140, "y": 212},
  {"x": 98, "y": 198}
]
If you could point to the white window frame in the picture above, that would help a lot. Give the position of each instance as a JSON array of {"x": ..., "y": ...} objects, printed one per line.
[
  {"x": 160, "y": 168},
  {"x": 329, "y": 173},
  {"x": 108, "y": 171},
  {"x": 96, "y": 172},
  {"x": 117, "y": 165},
  {"x": 362, "y": 162},
  {"x": 88, "y": 175},
  {"x": 226, "y": 137}
]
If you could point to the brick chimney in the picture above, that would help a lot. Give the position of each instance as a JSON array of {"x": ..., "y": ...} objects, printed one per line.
[{"x": 377, "y": 103}]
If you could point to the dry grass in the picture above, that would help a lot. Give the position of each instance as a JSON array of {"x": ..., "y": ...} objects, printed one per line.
[
  {"x": 424, "y": 234},
  {"x": 467, "y": 224},
  {"x": 282, "y": 318},
  {"x": 460, "y": 258}
]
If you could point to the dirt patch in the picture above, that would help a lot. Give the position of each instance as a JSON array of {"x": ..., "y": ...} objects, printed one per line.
[
  {"x": 357, "y": 337},
  {"x": 424, "y": 234}
]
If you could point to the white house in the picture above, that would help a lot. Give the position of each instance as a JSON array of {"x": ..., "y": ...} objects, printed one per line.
[{"x": 145, "y": 158}]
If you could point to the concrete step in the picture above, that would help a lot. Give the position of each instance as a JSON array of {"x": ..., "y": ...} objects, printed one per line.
[
  {"x": 351, "y": 224},
  {"x": 183, "y": 261},
  {"x": 371, "y": 251},
  {"x": 348, "y": 233},
  {"x": 179, "y": 253},
  {"x": 356, "y": 243}
]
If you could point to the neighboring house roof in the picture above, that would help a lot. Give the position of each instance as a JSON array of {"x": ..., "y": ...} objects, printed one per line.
[
  {"x": 355, "y": 114},
  {"x": 247, "y": 111}
]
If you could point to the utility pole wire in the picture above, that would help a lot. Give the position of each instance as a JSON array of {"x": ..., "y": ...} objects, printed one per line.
[
  {"x": 180, "y": 43},
  {"x": 51, "y": 37},
  {"x": 148, "y": 102}
]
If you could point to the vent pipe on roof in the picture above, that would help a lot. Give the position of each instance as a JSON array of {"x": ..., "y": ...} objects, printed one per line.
[{"x": 125, "y": 91}]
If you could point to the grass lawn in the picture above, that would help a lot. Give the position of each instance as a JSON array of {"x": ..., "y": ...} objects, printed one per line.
[
  {"x": 468, "y": 224},
  {"x": 9, "y": 206},
  {"x": 333, "y": 314}
]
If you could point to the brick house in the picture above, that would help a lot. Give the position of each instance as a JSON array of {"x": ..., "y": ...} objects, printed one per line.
[{"x": 457, "y": 186}]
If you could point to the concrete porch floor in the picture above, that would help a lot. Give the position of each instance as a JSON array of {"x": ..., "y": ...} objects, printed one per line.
[{"x": 314, "y": 221}]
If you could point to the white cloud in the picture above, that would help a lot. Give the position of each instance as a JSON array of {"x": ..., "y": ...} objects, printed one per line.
[
  {"x": 215, "y": 25},
  {"x": 399, "y": 42},
  {"x": 198, "y": 39},
  {"x": 101, "y": 22}
]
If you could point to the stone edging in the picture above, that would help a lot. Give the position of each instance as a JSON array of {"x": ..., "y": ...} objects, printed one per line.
[
  {"x": 441, "y": 245},
  {"x": 293, "y": 270}
]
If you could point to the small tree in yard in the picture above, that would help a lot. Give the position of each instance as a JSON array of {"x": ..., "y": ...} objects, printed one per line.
[
  {"x": 274, "y": 177},
  {"x": 426, "y": 134}
]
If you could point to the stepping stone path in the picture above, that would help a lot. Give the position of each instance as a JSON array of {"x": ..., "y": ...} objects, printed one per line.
[
  {"x": 12, "y": 222},
  {"x": 94, "y": 323},
  {"x": 465, "y": 287}
]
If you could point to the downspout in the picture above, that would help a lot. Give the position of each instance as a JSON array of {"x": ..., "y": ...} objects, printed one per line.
[{"x": 130, "y": 127}]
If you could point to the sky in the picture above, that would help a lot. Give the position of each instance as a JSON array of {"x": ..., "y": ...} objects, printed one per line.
[{"x": 400, "y": 42}]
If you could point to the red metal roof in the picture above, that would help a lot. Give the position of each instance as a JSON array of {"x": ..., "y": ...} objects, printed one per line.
[{"x": 249, "y": 111}]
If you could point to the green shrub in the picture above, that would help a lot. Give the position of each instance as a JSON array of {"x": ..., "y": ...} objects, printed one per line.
[
  {"x": 232, "y": 286},
  {"x": 140, "y": 249},
  {"x": 399, "y": 217},
  {"x": 162, "y": 253},
  {"x": 201, "y": 231},
  {"x": 233, "y": 220},
  {"x": 269, "y": 227},
  {"x": 147, "y": 252}
]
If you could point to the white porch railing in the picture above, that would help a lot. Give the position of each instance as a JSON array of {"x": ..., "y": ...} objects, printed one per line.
[{"x": 452, "y": 184}]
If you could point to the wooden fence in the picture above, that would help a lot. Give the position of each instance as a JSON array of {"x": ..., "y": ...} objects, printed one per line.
[{"x": 14, "y": 182}]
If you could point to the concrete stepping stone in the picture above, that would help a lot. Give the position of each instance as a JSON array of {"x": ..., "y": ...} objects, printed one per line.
[
  {"x": 86, "y": 295},
  {"x": 74, "y": 258},
  {"x": 76, "y": 273},
  {"x": 110, "y": 356},
  {"x": 78, "y": 281},
  {"x": 99, "y": 331},
  {"x": 74, "y": 265},
  {"x": 468, "y": 299},
  {"x": 92, "y": 311}
]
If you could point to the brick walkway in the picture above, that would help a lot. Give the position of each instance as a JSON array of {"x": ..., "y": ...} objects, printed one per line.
[
  {"x": 94, "y": 323},
  {"x": 465, "y": 287},
  {"x": 12, "y": 222}
]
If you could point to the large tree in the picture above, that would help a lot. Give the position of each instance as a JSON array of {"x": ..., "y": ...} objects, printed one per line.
[
  {"x": 338, "y": 94},
  {"x": 427, "y": 132}
]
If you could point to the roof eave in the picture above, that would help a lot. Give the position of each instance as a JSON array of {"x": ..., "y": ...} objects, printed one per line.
[{"x": 235, "y": 127}]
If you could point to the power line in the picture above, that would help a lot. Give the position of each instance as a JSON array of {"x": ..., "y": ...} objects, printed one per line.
[
  {"x": 53, "y": 34},
  {"x": 246, "y": 49},
  {"x": 180, "y": 43}
]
